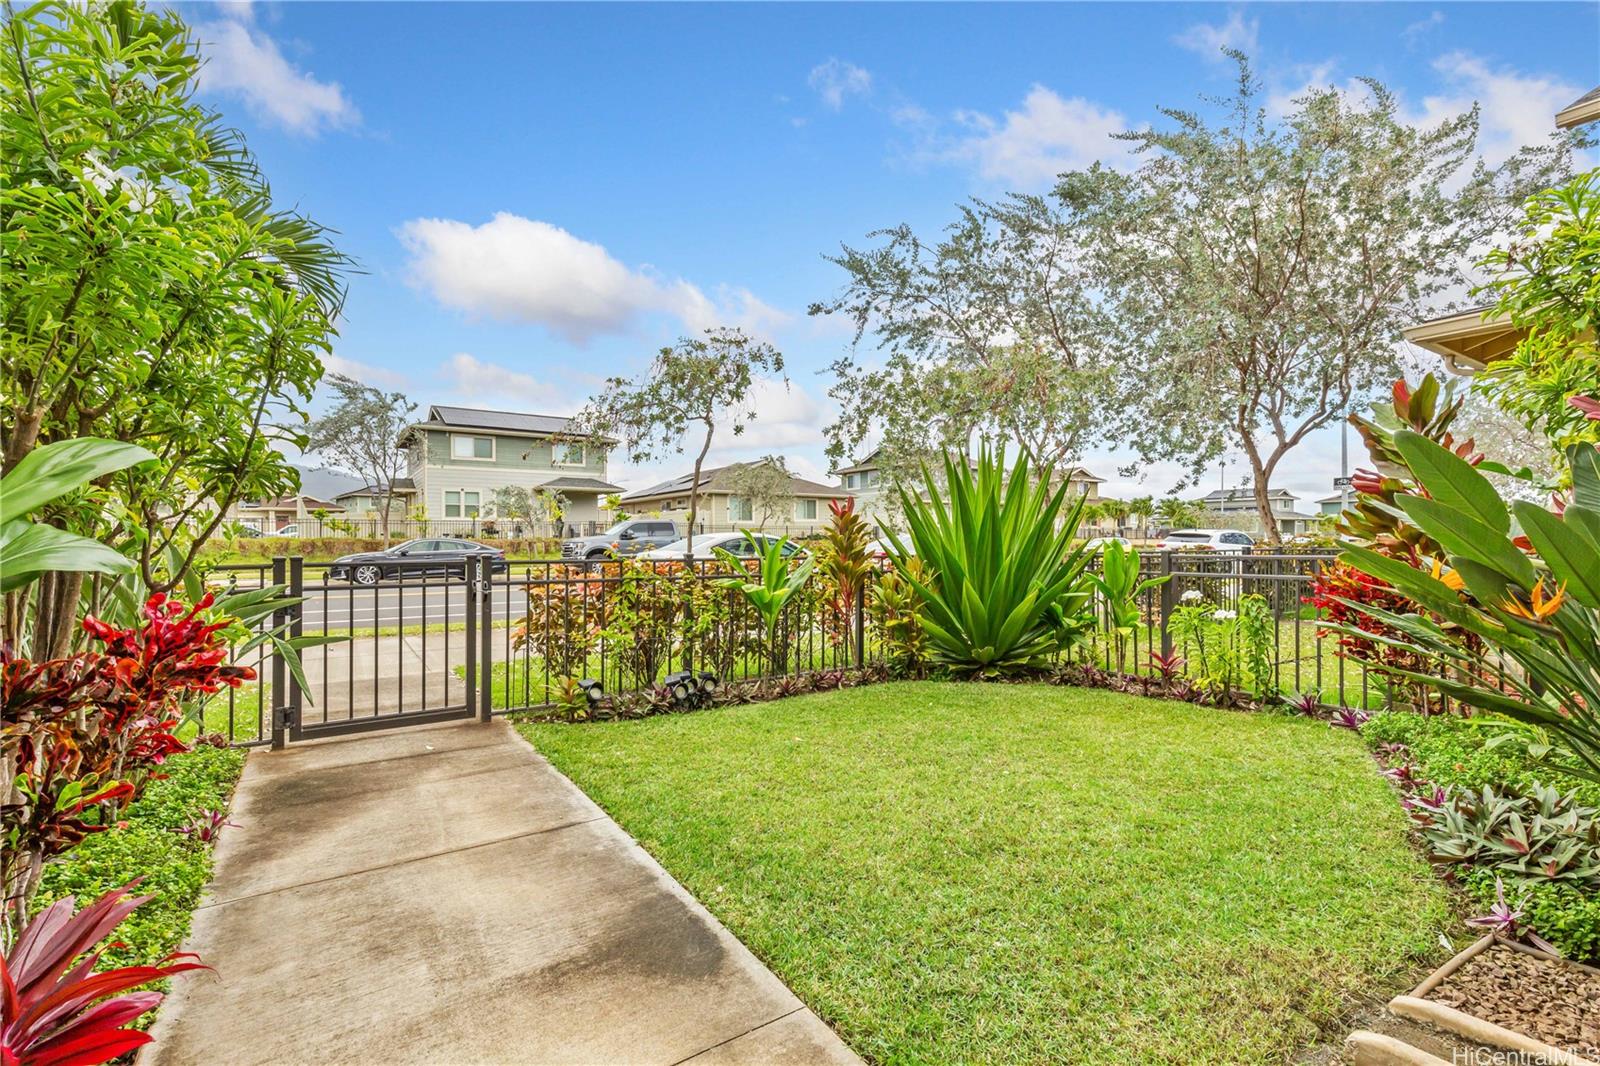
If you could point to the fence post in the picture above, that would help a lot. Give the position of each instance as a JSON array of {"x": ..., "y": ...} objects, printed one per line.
[
  {"x": 297, "y": 590},
  {"x": 1166, "y": 602},
  {"x": 280, "y": 672},
  {"x": 486, "y": 674},
  {"x": 861, "y": 624},
  {"x": 469, "y": 608}
]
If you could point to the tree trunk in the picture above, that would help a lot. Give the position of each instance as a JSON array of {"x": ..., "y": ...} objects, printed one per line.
[
  {"x": 1261, "y": 477},
  {"x": 694, "y": 491},
  {"x": 383, "y": 517}
]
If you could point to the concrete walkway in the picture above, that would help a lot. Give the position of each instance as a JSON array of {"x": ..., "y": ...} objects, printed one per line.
[{"x": 442, "y": 895}]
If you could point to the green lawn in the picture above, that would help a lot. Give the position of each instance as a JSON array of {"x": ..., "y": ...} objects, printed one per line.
[{"x": 1000, "y": 873}]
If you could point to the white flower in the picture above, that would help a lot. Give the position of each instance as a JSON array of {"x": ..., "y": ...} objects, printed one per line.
[
  {"x": 1223, "y": 616},
  {"x": 1191, "y": 596}
]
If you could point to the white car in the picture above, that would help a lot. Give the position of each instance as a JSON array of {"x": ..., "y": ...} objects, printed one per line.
[
  {"x": 705, "y": 545},
  {"x": 1099, "y": 543},
  {"x": 290, "y": 530},
  {"x": 882, "y": 550},
  {"x": 1226, "y": 541}
]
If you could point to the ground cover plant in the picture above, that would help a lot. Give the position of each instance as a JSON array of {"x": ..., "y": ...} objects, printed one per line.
[{"x": 1009, "y": 873}]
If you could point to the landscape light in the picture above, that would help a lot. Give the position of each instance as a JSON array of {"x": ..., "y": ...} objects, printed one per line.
[
  {"x": 708, "y": 684},
  {"x": 681, "y": 685},
  {"x": 592, "y": 690}
]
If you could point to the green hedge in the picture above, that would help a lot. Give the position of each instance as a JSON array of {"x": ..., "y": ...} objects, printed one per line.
[{"x": 146, "y": 843}]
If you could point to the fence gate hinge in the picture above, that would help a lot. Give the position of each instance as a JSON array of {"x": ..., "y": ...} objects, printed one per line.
[{"x": 283, "y": 717}]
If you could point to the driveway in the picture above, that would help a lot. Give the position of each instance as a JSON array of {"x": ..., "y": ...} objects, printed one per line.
[{"x": 442, "y": 895}]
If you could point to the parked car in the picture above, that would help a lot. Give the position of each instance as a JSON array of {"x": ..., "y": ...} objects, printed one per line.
[
  {"x": 628, "y": 537},
  {"x": 705, "y": 545},
  {"x": 882, "y": 551},
  {"x": 415, "y": 558},
  {"x": 290, "y": 530},
  {"x": 1099, "y": 543},
  {"x": 1226, "y": 541}
]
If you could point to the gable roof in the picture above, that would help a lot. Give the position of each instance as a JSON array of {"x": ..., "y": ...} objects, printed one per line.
[
  {"x": 402, "y": 485},
  {"x": 712, "y": 481},
  {"x": 870, "y": 462},
  {"x": 579, "y": 484},
  {"x": 505, "y": 421},
  {"x": 1584, "y": 109},
  {"x": 1232, "y": 495}
]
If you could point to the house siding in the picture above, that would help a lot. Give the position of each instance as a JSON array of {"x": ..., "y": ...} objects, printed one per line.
[{"x": 520, "y": 461}]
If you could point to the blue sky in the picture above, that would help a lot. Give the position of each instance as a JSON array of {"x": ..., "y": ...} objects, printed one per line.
[{"x": 543, "y": 195}]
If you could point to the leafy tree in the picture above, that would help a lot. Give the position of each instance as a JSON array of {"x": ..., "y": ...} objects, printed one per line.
[
  {"x": 1258, "y": 272},
  {"x": 1547, "y": 281},
  {"x": 360, "y": 434},
  {"x": 152, "y": 295},
  {"x": 1142, "y": 507},
  {"x": 691, "y": 385},
  {"x": 767, "y": 484},
  {"x": 1178, "y": 514},
  {"x": 990, "y": 330}
]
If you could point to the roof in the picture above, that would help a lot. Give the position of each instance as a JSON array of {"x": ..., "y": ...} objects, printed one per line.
[
  {"x": 401, "y": 485},
  {"x": 1229, "y": 495},
  {"x": 1337, "y": 497},
  {"x": 1081, "y": 473},
  {"x": 1466, "y": 340},
  {"x": 870, "y": 462},
  {"x": 709, "y": 483},
  {"x": 276, "y": 503},
  {"x": 1584, "y": 109},
  {"x": 580, "y": 484},
  {"x": 505, "y": 421}
]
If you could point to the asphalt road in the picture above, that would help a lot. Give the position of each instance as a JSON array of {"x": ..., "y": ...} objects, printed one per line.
[{"x": 337, "y": 609}]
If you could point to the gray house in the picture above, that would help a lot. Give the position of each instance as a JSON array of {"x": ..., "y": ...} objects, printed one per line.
[
  {"x": 459, "y": 456},
  {"x": 1238, "y": 510}
]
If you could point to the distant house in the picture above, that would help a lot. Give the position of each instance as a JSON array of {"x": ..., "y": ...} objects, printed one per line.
[
  {"x": 458, "y": 456},
  {"x": 363, "y": 503},
  {"x": 864, "y": 479},
  {"x": 1240, "y": 505},
  {"x": 1333, "y": 505},
  {"x": 271, "y": 515},
  {"x": 722, "y": 508},
  {"x": 1470, "y": 340}
]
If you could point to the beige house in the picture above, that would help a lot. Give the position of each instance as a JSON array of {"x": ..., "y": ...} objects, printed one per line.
[
  {"x": 273, "y": 515},
  {"x": 721, "y": 508},
  {"x": 1470, "y": 340}
]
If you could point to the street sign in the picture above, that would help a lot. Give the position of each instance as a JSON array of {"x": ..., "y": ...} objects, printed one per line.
[{"x": 1342, "y": 482}]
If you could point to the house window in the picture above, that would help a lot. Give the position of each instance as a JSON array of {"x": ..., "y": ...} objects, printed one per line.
[
  {"x": 460, "y": 504},
  {"x": 805, "y": 510},
  {"x": 569, "y": 455},
  {"x": 850, "y": 481},
  {"x": 739, "y": 509},
  {"x": 869, "y": 479},
  {"x": 463, "y": 447}
]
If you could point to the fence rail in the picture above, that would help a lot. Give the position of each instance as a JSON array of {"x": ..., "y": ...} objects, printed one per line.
[{"x": 427, "y": 647}]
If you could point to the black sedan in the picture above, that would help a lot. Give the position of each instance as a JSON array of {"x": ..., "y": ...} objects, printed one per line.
[{"x": 415, "y": 558}]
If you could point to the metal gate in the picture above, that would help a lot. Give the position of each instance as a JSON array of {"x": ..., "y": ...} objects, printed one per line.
[{"x": 408, "y": 650}]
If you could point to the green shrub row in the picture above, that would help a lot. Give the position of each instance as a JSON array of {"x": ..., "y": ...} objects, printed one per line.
[{"x": 148, "y": 842}]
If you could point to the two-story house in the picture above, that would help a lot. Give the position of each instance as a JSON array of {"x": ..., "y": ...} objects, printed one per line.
[
  {"x": 459, "y": 456},
  {"x": 801, "y": 511},
  {"x": 1239, "y": 505}
]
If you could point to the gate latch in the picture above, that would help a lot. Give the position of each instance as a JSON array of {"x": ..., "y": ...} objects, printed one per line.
[{"x": 283, "y": 716}]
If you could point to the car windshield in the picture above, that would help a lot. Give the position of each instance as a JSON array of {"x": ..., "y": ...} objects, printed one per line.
[
  {"x": 1193, "y": 538},
  {"x": 618, "y": 528}
]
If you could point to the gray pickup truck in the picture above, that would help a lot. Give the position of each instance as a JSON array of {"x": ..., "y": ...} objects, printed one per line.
[{"x": 628, "y": 537}]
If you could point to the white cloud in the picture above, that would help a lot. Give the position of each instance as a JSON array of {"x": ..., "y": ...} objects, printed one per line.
[
  {"x": 471, "y": 380},
  {"x": 522, "y": 270},
  {"x": 1047, "y": 135},
  {"x": 365, "y": 373},
  {"x": 1420, "y": 27},
  {"x": 837, "y": 79},
  {"x": 246, "y": 62},
  {"x": 1517, "y": 108},
  {"x": 1210, "y": 40}
]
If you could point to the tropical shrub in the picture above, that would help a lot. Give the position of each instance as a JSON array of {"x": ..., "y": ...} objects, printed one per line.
[
  {"x": 843, "y": 563},
  {"x": 1469, "y": 754},
  {"x": 81, "y": 735},
  {"x": 1002, "y": 587},
  {"x": 57, "y": 1010},
  {"x": 1533, "y": 597},
  {"x": 1120, "y": 587},
  {"x": 564, "y": 622},
  {"x": 1566, "y": 915},
  {"x": 778, "y": 583},
  {"x": 1544, "y": 835},
  {"x": 896, "y": 609},
  {"x": 1232, "y": 648}
]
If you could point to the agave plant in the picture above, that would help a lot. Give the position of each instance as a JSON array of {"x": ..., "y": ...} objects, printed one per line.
[
  {"x": 1003, "y": 587},
  {"x": 1521, "y": 579},
  {"x": 57, "y": 1010}
]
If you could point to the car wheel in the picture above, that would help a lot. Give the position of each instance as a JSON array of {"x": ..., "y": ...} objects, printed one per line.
[{"x": 366, "y": 574}]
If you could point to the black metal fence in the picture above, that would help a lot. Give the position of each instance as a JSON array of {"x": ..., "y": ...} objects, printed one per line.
[
  {"x": 368, "y": 527},
  {"x": 424, "y": 647}
]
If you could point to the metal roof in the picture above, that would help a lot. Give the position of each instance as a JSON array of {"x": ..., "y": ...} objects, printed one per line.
[{"x": 505, "y": 421}]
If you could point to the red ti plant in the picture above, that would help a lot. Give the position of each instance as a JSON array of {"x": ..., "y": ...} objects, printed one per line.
[
  {"x": 57, "y": 1010},
  {"x": 844, "y": 565}
]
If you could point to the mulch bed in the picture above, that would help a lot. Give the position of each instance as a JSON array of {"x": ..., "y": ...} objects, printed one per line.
[{"x": 1549, "y": 1000}]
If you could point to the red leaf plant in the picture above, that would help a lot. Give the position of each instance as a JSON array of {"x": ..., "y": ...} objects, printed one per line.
[
  {"x": 82, "y": 735},
  {"x": 57, "y": 1010}
]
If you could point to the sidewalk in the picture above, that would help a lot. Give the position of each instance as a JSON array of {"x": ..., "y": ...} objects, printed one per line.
[{"x": 442, "y": 895}]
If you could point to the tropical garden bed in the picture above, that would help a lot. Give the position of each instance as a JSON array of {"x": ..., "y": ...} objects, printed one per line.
[{"x": 1032, "y": 873}]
